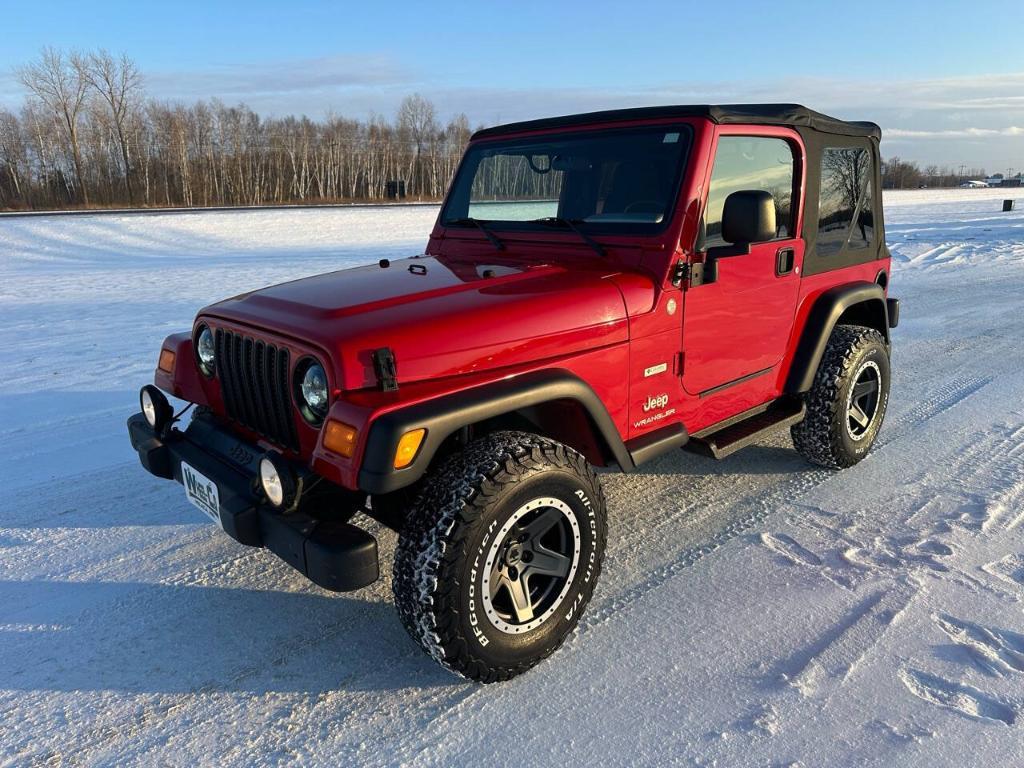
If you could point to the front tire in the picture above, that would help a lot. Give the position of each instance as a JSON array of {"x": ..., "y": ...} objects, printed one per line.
[
  {"x": 500, "y": 554},
  {"x": 848, "y": 399}
]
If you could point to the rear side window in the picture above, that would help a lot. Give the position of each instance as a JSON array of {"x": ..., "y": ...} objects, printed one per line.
[
  {"x": 750, "y": 163},
  {"x": 846, "y": 202}
]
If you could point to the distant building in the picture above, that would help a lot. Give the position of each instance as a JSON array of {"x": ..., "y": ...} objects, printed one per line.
[{"x": 999, "y": 180}]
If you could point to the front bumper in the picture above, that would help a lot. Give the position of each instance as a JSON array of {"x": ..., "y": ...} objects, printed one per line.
[{"x": 335, "y": 555}]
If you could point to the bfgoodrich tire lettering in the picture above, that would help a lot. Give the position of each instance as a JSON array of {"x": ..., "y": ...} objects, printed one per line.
[
  {"x": 452, "y": 530},
  {"x": 836, "y": 432}
]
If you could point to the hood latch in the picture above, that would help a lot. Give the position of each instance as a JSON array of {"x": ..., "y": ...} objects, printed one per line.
[{"x": 385, "y": 369}]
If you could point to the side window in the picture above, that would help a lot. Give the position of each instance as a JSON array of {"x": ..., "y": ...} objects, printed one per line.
[
  {"x": 846, "y": 201},
  {"x": 747, "y": 163}
]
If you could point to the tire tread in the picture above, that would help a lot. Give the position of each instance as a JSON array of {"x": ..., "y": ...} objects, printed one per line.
[
  {"x": 435, "y": 540},
  {"x": 817, "y": 437}
]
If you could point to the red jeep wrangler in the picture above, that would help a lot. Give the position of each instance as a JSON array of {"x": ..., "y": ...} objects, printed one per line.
[{"x": 598, "y": 290}]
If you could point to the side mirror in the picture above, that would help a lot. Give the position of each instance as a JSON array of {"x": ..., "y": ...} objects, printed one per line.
[{"x": 748, "y": 217}]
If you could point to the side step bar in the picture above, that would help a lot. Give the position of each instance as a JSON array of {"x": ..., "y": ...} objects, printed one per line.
[{"x": 730, "y": 437}]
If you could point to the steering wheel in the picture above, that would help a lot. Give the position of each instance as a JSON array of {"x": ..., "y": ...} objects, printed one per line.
[
  {"x": 535, "y": 168},
  {"x": 644, "y": 206}
]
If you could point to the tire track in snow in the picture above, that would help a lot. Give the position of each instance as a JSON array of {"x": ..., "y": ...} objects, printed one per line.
[
  {"x": 754, "y": 512},
  {"x": 837, "y": 655}
]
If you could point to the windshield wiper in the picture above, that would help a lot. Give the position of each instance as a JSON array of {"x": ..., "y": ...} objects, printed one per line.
[
  {"x": 573, "y": 224},
  {"x": 495, "y": 240}
]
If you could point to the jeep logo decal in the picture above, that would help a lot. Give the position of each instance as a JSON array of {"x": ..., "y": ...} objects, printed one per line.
[{"x": 655, "y": 402}]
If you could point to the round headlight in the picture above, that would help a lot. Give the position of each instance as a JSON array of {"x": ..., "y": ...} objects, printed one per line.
[
  {"x": 205, "y": 351},
  {"x": 314, "y": 389}
]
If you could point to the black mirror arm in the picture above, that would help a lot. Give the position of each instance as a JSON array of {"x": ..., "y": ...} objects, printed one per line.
[
  {"x": 706, "y": 271},
  {"x": 726, "y": 251},
  {"x": 703, "y": 267}
]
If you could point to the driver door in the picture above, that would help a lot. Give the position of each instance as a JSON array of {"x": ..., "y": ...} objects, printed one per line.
[{"x": 736, "y": 328}]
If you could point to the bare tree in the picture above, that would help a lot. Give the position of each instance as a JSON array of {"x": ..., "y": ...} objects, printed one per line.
[
  {"x": 14, "y": 162},
  {"x": 87, "y": 133},
  {"x": 847, "y": 171},
  {"x": 417, "y": 122},
  {"x": 119, "y": 84},
  {"x": 63, "y": 90}
]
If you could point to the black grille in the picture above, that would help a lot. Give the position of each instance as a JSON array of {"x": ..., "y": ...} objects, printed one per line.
[{"x": 254, "y": 382}]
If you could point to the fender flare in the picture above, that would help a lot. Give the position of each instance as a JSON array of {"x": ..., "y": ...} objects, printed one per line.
[
  {"x": 823, "y": 317},
  {"x": 442, "y": 416}
]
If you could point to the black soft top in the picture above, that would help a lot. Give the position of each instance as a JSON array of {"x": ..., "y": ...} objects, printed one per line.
[{"x": 752, "y": 114}]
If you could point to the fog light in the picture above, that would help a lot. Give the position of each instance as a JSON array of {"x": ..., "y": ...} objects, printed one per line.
[
  {"x": 277, "y": 480},
  {"x": 155, "y": 408},
  {"x": 408, "y": 447},
  {"x": 340, "y": 438}
]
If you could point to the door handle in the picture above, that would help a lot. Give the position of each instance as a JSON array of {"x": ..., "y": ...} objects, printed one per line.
[{"x": 785, "y": 260}]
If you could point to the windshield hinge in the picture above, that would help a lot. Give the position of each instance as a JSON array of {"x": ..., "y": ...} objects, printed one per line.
[{"x": 687, "y": 275}]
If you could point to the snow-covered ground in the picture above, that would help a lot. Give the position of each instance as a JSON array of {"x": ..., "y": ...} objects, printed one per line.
[{"x": 756, "y": 611}]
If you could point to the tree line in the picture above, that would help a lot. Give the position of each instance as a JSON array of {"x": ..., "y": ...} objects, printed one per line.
[
  {"x": 88, "y": 136},
  {"x": 907, "y": 174}
]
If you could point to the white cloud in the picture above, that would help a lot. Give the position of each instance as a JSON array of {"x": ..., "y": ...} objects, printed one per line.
[
  {"x": 292, "y": 76},
  {"x": 960, "y": 133}
]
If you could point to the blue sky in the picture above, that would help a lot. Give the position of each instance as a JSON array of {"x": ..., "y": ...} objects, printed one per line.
[{"x": 945, "y": 80}]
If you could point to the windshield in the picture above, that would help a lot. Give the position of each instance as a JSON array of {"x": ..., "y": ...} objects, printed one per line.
[{"x": 609, "y": 181}]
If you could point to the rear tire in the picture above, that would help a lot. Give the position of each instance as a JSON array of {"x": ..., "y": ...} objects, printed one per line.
[
  {"x": 847, "y": 401},
  {"x": 500, "y": 554}
]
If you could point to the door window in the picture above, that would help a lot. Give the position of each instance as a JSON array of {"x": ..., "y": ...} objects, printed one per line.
[{"x": 751, "y": 163}]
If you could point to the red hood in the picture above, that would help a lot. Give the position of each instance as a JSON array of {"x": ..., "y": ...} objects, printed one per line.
[{"x": 440, "y": 316}]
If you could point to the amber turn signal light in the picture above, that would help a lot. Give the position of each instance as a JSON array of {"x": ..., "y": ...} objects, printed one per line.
[
  {"x": 408, "y": 447},
  {"x": 166, "y": 363},
  {"x": 340, "y": 438}
]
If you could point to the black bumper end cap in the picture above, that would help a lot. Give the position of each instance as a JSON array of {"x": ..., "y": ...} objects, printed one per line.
[
  {"x": 341, "y": 557},
  {"x": 893, "y": 308},
  {"x": 336, "y": 556},
  {"x": 154, "y": 454}
]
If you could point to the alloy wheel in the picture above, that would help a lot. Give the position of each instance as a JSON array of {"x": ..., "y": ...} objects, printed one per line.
[
  {"x": 531, "y": 565},
  {"x": 862, "y": 402}
]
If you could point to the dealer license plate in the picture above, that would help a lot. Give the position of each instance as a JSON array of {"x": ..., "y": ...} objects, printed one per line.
[{"x": 201, "y": 491}]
